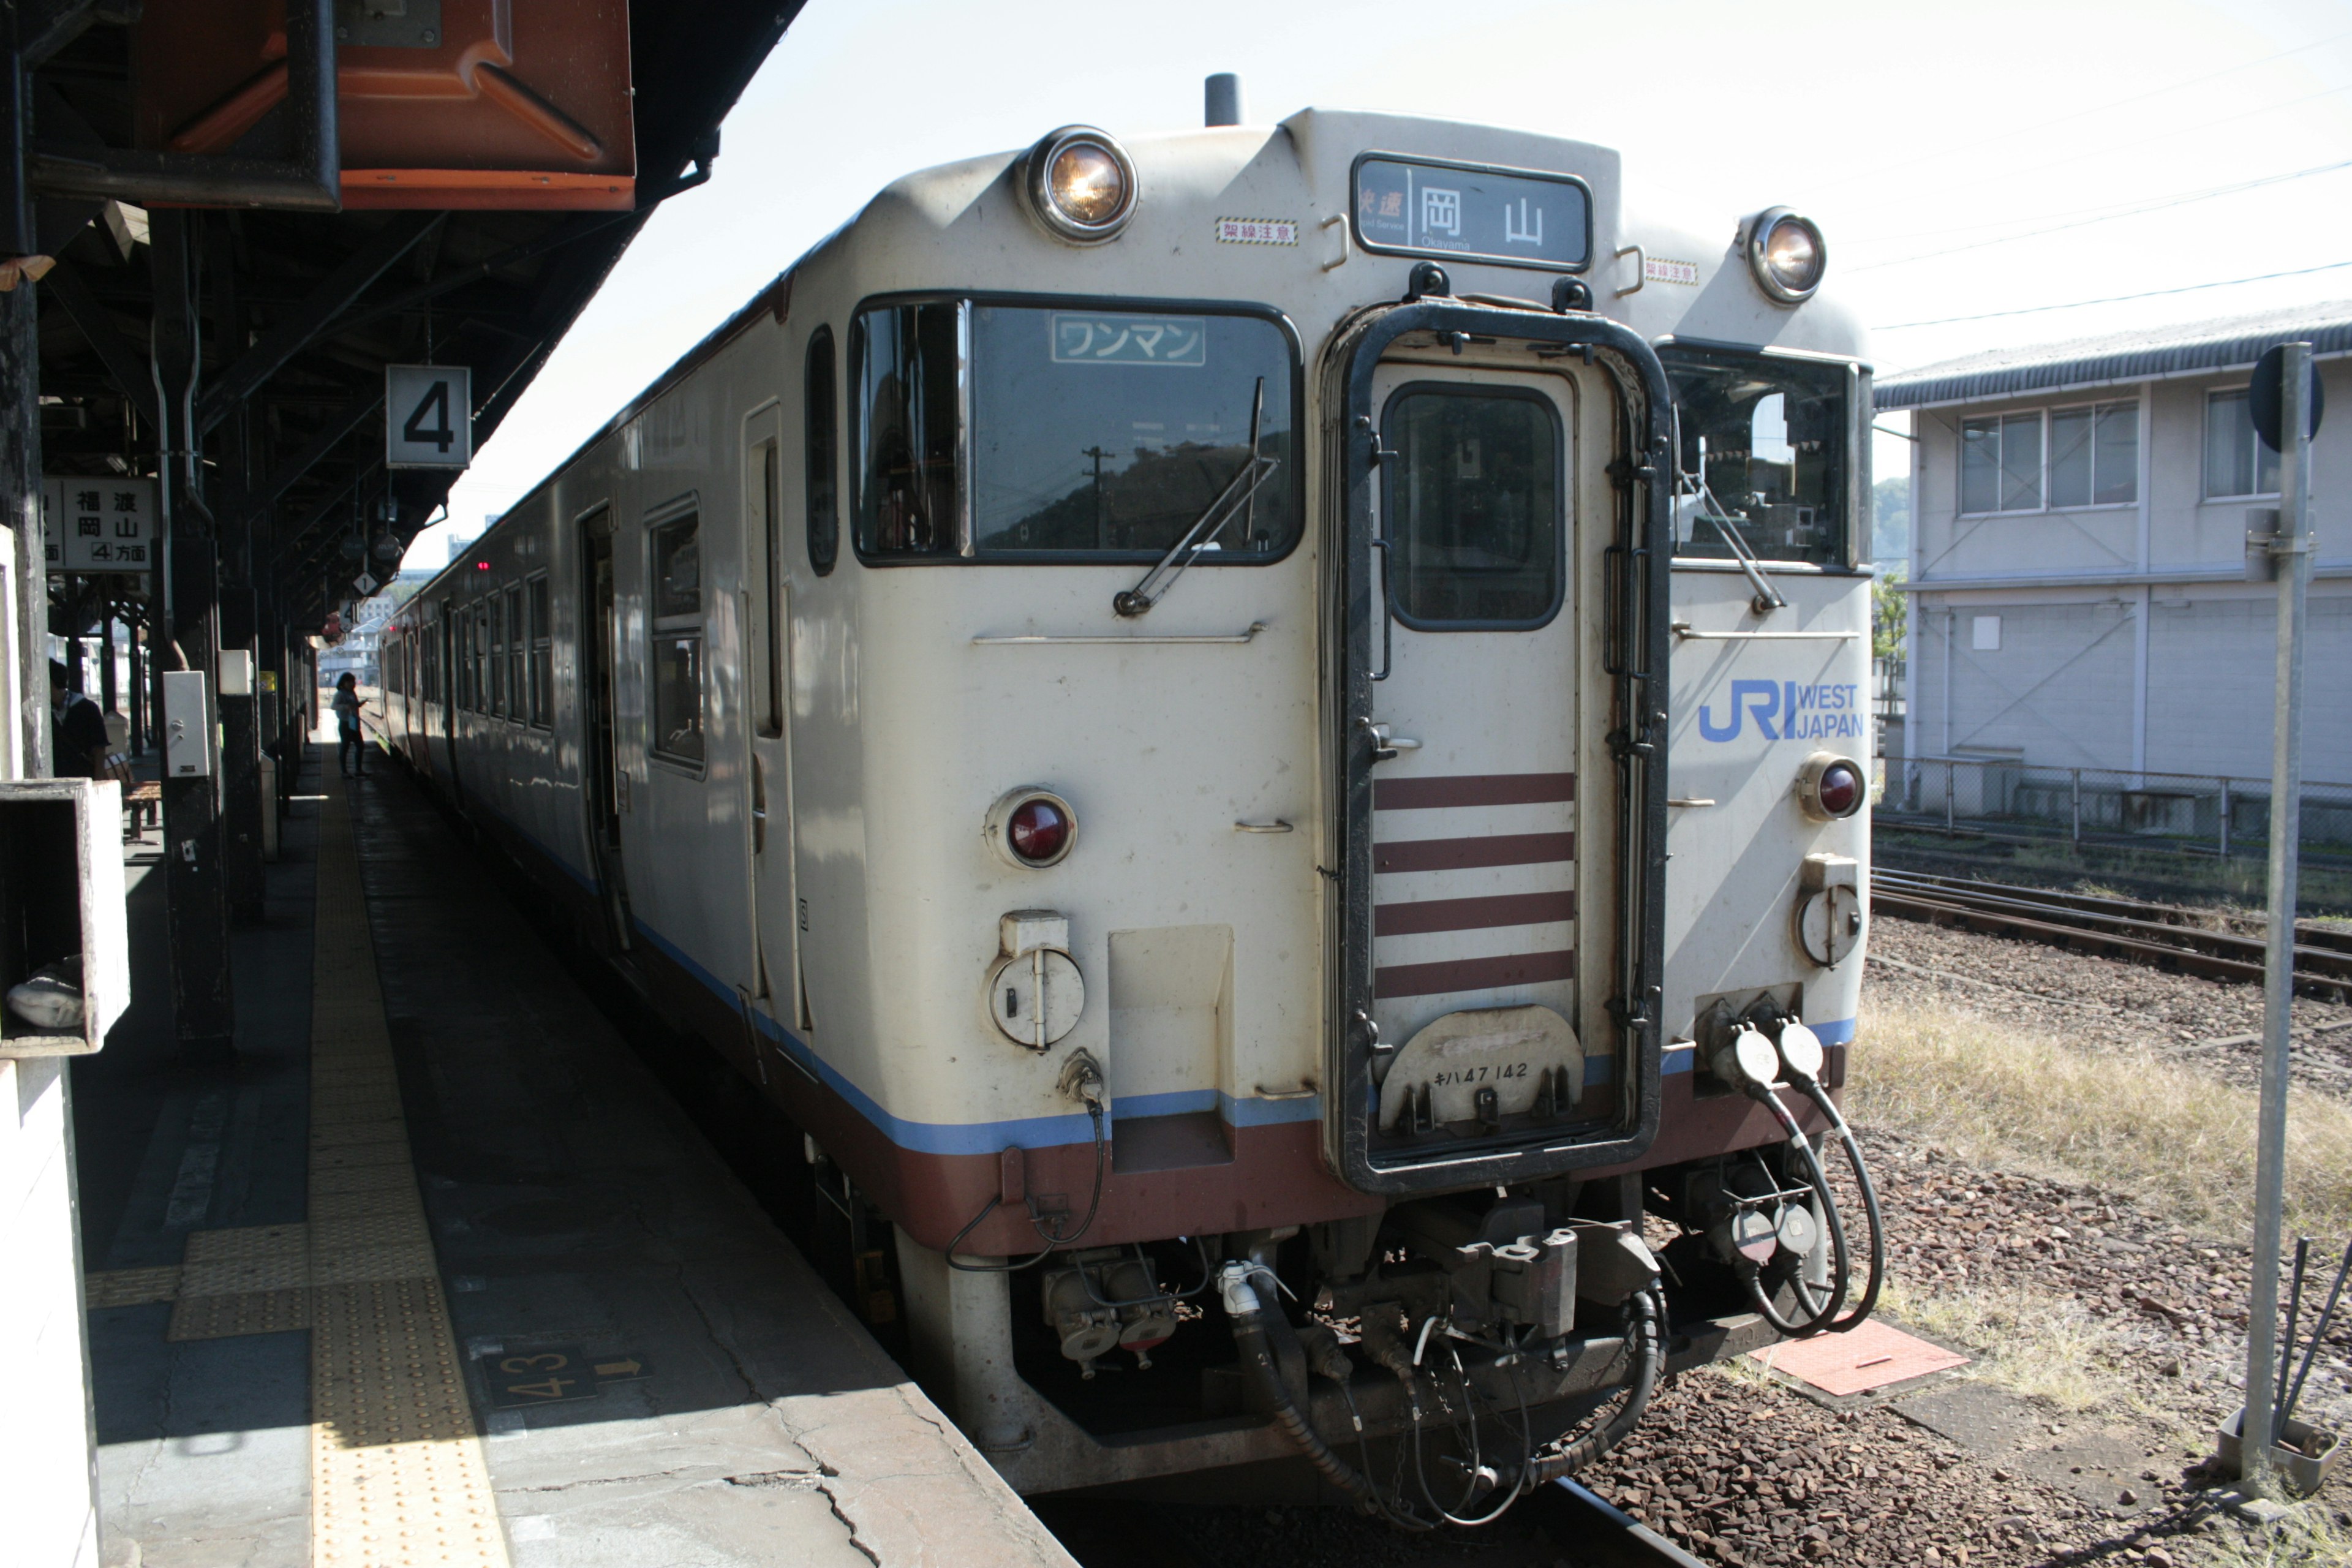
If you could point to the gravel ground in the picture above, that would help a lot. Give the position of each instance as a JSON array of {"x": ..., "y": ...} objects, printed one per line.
[{"x": 2100, "y": 1001}]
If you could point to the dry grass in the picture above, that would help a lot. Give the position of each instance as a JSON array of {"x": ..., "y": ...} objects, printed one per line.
[
  {"x": 2308, "y": 1538},
  {"x": 2131, "y": 1121},
  {"x": 2043, "y": 1347}
]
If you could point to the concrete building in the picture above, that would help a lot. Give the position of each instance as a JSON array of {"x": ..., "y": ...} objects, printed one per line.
[{"x": 2077, "y": 565}]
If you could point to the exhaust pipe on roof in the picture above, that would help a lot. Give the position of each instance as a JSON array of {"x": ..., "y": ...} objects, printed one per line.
[{"x": 1222, "y": 99}]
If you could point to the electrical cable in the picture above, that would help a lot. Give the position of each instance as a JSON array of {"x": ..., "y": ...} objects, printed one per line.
[
  {"x": 2115, "y": 298},
  {"x": 1814, "y": 1321},
  {"x": 1053, "y": 1242},
  {"x": 1809, "y": 1086}
]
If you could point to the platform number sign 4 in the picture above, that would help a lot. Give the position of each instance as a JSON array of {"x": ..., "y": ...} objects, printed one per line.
[{"x": 428, "y": 415}]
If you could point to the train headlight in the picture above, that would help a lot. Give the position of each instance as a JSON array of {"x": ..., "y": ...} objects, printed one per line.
[
  {"x": 1032, "y": 827},
  {"x": 1081, "y": 185},
  {"x": 1831, "y": 787},
  {"x": 1787, "y": 254}
]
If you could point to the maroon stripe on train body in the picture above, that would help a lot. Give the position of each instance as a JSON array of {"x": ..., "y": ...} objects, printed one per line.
[
  {"x": 1472, "y": 914},
  {"x": 1472, "y": 789},
  {"x": 1472, "y": 974},
  {"x": 1456, "y": 853}
]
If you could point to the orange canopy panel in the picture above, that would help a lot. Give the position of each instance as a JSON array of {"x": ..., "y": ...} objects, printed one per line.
[{"x": 442, "y": 103}]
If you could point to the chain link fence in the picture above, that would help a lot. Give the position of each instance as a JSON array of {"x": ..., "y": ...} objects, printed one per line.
[{"x": 2192, "y": 814}]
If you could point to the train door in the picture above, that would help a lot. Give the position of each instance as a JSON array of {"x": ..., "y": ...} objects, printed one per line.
[
  {"x": 767, "y": 632},
  {"x": 448, "y": 694},
  {"x": 599, "y": 637},
  {"x": 1483, "y": 925}
]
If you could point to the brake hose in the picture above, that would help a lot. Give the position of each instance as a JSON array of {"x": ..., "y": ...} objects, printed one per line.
[
  {"x": 1749, "y": 1060},
  {"x": 1248, "y": 1317},
  {"x": 1645, "y": 1333},
  {"x": 1802, "y": 1054}
]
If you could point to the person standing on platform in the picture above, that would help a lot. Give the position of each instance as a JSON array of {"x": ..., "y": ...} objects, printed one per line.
[
  {"x": 78, "y": 740},
  {"x": 350, "y": 753}
]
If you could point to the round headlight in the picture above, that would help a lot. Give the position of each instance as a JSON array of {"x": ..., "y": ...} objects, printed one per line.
[
  {"x": 1787, "y": 254},
  {"x": 1081, "y": 185}
]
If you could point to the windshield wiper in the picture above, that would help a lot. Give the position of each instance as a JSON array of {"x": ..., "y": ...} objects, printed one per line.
[
  {"x": 1767, "y": 598},
  {"x": 1239, "y": 495}
]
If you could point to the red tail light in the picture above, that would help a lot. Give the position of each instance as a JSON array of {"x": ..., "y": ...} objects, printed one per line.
[
  {"x": 1039, "y": 829},
  {"x": 1841, "y": 789}
]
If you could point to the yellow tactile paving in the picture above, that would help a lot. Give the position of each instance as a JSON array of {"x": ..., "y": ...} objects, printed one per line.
[
  {"x": 397, "y": 1478},
  {"x": 131, "y": 1286},
  {"x": 226, "y": 1317}
]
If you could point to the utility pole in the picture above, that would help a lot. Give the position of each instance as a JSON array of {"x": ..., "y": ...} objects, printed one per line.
[{"x": 2290, "y": 550}]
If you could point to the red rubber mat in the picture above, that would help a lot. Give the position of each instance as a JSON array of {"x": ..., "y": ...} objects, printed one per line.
[{"x": 1872, "y": 1356}]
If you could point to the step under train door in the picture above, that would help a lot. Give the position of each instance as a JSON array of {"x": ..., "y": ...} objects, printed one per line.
[
  {"x": 1499, "y": 923},
  {"x": 767, "y": 633}
]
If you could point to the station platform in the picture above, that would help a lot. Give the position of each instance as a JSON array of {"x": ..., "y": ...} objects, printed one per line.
[{"x": 435, "y": 1272}]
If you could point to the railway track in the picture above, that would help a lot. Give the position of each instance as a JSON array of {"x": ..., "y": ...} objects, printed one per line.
[{"x": 2113, "y": 927}]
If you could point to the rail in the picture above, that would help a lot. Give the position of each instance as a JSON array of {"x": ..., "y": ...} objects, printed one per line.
[
  {"x": 1595, "y": 1531},
  {"x": 2113, "y": 927}
]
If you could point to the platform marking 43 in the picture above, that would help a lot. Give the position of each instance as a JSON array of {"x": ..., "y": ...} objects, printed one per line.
[{"x": 555, "y": 1374}]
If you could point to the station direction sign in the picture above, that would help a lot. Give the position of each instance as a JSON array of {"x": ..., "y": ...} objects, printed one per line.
[
  {"x": 428, "y": 415},
  {"x": 94, "y": 525}
]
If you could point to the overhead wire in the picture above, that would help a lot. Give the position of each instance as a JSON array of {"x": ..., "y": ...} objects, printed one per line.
[
  {"x": 2115, "y": 298},
  {"x": 2169, "y": 203},
  {"x": 1913, "y": 161}
]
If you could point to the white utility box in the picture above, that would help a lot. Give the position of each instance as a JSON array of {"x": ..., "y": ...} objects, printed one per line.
[
  {"x": 65, "y": 954},
  {"x": 237, "y": 672},
  {"x": 189, "y": 732}
]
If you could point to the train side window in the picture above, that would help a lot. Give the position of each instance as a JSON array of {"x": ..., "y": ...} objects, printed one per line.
[
  {"x": 906, "y": 392},
  {"x": 542, "y": 672},
  {"x": 1474, "y": 506},
  {"x": 766, "y": 628},
  {"x": 493, "y": 660},
  {"x": 517, "y": 694},
  {"x": 677, "y": 640},
  {"x": 822, "y": 427}
]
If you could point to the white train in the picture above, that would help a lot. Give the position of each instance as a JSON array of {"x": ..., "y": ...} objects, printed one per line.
[{"x": 1255, "y": 733}]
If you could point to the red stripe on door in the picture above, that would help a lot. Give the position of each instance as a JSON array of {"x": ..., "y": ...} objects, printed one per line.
[
  {"x": 1454, "y": 854},
  {"x": 1471, "y": 789},
  {"x": 1472, "y": 914},
  {"x": 1472, "y": 974}
]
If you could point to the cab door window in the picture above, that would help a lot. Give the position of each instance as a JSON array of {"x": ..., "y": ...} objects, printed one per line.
[{"x": 1473, "y": 508}]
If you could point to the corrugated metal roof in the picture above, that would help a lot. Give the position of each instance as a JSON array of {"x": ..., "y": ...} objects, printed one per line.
[{"x": 2151, "y": 353}]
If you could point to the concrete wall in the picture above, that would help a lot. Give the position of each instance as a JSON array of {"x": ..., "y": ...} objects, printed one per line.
[
  {"x": 48, "y": 1472},
  {"x": 2128, "y": 639}
]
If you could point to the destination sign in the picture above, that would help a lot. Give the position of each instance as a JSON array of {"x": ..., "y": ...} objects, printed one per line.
[{"x": 1415, "y": 208}]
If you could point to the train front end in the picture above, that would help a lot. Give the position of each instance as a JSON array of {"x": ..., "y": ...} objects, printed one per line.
[{"x": 1336, "y": 790}]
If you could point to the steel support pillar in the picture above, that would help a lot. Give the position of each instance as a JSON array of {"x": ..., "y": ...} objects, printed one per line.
[
  {"x": 197, "y": 890},
  {"x": 20, "y": 495},
  {"x": 240, "y": 792}
]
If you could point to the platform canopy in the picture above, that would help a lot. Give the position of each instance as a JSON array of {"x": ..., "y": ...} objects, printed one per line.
[{"x": 182, "y": 179}]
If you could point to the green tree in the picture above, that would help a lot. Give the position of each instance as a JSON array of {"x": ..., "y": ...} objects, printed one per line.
[{"x": 1890, "y": 612}]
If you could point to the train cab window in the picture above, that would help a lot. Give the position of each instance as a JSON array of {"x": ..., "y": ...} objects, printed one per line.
[
  {"x": 1764, "y": 455},
  {"x": 1473, "y": 508},
  {"x": 677, "y": 604},
  {"x": 1043, "y": 433},
  {"x": 822, "y": 434},
  {"x": 543, "y": 671},
  {"x": 905, "y": 365}
]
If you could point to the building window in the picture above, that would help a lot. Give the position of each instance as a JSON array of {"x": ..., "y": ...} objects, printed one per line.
[
  {"x": 2001, "y": 464},
  {"x": 2236, "y": 461},
  {"x": 2095, "y": 455},
  {"x": 543, "y": 664},
  {"x": 677, "y": 640}
]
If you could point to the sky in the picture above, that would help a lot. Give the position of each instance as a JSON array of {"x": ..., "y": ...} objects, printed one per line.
[{"x": 1986, "y": 161}]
